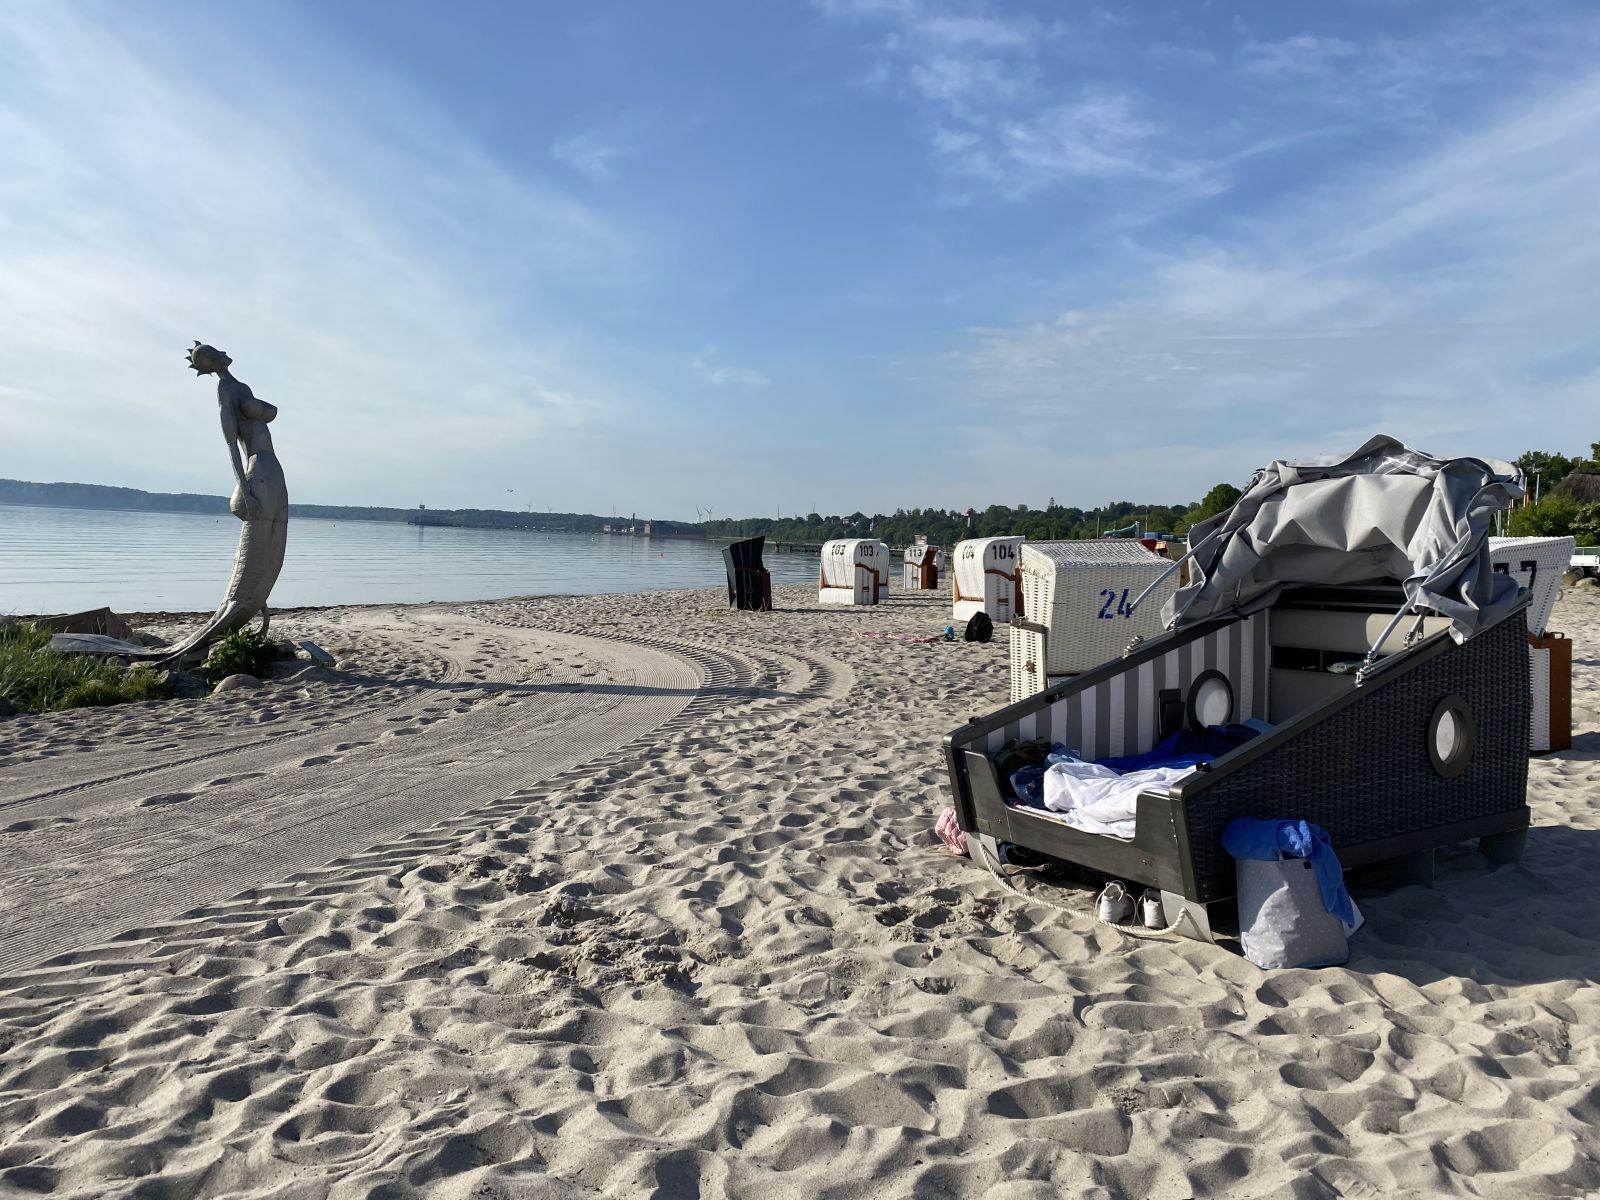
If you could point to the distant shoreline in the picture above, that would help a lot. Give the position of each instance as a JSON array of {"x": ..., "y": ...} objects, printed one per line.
[{"x": 107, "y": 498}]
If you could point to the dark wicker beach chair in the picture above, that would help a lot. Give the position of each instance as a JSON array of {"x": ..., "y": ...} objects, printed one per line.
[
  {"x": 749, "y": 583},
  {"x": 1428, "y": 750}
]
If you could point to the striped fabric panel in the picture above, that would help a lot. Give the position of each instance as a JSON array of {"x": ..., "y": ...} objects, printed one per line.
[{"x": 1119, "y": 715}]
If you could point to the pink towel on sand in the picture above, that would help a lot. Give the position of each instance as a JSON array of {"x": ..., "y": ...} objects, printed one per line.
[{"x": 950, "y": 832}]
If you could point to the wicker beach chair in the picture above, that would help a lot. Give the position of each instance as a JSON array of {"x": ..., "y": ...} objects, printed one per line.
[
  {"x": 1539, "y": 563},
  {"x": 853, "y": 571},
  {"x": 922, "y": 566},
  {"x": 749, "y": 582},
  {"x": 1076, "y": 597},
  {"x": 985, "y": 579}
]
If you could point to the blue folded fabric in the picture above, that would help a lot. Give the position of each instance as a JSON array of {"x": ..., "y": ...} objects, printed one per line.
[
  {"x": 1028, "y": 782},
  {"x": 1185, "y": 748},
  {"x": 1268, "y": 841}
]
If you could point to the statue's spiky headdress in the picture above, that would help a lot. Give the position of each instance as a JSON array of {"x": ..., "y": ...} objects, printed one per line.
[{"x": 199, "y": 354}]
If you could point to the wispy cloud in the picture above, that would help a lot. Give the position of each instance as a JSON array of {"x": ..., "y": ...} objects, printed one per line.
[
  {"x": 1449, "y": 301},
  {"x": 1013, "y": 107},
  {"x": 721, "y": 374},
  {"x": 1386, "y": 79},
  {"x": 357, "y": 272},
  {"x": 589, "y": 154},
  {"x": 998, "y": 117},
  {"x": 1098, "y": 136}
]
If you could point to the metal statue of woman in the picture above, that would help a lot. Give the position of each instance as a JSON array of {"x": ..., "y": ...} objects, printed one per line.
[{"x": 260, "y": 499}]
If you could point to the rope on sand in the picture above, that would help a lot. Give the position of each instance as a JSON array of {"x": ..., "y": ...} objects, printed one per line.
[{"x": 1132, "y": 931}]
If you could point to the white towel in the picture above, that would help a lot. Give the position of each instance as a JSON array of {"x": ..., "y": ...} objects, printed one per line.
[{"x": 1097, "y": 799}]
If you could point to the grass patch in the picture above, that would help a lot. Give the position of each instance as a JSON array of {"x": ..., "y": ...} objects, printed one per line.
[
  {"x": 242, "y": 652},
  {"x": 35, "y": 678}
]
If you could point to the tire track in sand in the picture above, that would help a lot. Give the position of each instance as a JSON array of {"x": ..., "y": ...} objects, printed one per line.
[
  {"x": 744, "y": 687},
  {"x": 113, "y": 863}
]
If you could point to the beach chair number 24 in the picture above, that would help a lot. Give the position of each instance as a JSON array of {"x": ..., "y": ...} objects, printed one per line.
[{"x": 1110, "y": 599}]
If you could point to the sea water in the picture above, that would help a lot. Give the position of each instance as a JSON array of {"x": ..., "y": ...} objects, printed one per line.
[{"x": 55, "y": 560}]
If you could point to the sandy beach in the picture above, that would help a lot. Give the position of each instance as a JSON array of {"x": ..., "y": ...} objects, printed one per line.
[{"x": 636, "y": 896}]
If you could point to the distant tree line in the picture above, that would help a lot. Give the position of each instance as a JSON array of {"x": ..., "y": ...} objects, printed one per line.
[
  {"x": 948, "y": 526},
  {"x": 94, "y": 495},
  {"x": 1568, "y": 491},
  {"x": 1568, "y": 505}
]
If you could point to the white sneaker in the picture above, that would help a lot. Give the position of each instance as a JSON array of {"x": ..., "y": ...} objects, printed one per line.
[
  {"x": 1151, "y": 912},
  {"x": 1115, "y": 906}
]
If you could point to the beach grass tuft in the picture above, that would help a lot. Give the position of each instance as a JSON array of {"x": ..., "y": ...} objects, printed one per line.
[
  {"x": 34, "y": 678},
  {"x": 242, "y": 652}
]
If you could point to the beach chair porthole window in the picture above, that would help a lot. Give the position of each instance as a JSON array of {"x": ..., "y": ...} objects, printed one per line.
[
  {"x": 1210, "y": 700},
  {"x": 1452, "y": 736}
]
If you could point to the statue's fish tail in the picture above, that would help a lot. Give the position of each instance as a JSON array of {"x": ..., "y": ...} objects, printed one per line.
[{"x": 235, "y": 614}]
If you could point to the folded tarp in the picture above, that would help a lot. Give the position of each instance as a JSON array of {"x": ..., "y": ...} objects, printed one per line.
[{"x": 1384, "y": 512}]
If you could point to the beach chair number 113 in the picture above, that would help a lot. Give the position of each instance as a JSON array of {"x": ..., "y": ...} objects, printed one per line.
[{"x": 1110, "y": 598}]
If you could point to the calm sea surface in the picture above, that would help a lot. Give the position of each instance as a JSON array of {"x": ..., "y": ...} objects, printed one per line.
[{"x": 67, "y": 559}]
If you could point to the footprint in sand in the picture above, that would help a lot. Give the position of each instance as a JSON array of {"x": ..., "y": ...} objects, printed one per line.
[
  {"x": 38, "y": 823},
  {"x": 167, "y": 798},
  {"x": 225, "y": 780}
]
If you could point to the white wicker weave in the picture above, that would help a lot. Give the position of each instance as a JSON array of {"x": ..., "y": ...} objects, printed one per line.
[
  {"x": 1539, "y": 719},
  {"x": 984, "y": 578},
  {"x": 1538, "y": 563},
  {"x": 917, "y": 557},
  {"x": 853, "y": 571},
  {"x": 1080, "y": 592},
  {"x": 1028, "y": 675}
]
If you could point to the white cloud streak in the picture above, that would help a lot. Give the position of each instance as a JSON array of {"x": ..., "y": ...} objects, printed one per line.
[
  {"x": 590, "y": 155},
  {"x": 720, "y": 374},
  {"x": 995, "y": 118}
]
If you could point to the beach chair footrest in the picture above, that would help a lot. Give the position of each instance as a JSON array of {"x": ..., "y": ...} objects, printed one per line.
[{"x": 1503, "y": 849}]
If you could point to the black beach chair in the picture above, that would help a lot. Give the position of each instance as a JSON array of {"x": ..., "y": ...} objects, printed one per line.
[{"x": 749, "y": 583}]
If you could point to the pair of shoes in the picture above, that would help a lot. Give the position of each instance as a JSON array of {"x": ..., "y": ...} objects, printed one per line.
[{"x": 1116, "y": 907}]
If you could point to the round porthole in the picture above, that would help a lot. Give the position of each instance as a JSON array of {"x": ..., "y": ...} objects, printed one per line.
[
  {"x": 1452, "y": 737},
  {"x": 1210, "y": 700}
]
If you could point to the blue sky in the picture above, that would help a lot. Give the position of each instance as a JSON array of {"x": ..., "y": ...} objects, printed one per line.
[{"x": 851, "y": 254}]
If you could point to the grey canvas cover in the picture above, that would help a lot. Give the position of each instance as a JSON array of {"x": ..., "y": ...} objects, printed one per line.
[{"x": 1384, "y": 512}]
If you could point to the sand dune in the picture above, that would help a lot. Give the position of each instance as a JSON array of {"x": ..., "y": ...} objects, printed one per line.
[{"x": 722, "y": 958}]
